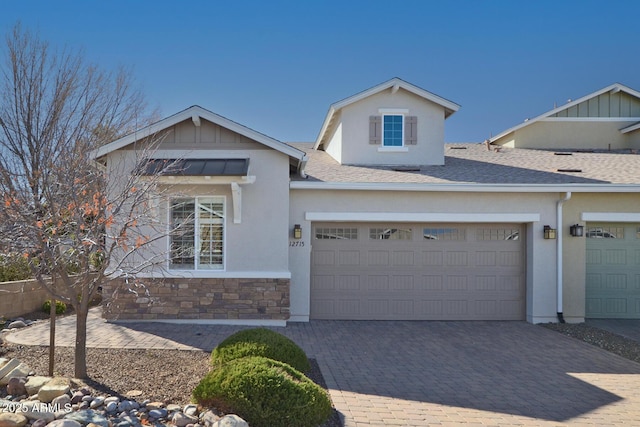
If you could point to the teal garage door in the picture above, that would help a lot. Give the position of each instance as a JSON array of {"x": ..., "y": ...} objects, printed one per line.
[{"x": 613, "y": 271}]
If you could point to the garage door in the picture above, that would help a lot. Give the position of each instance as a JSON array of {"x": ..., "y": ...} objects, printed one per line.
[
  {"x": 418, "y": 271},
  {"x": 613, "y": 271}
]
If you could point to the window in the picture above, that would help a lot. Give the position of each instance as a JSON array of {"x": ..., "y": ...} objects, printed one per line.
[
  {"x": 605, "y": 232},
  {"x": 392, "y": 130},
  {"x": 498, "y": 234},
  {"x": 443, "y": 233},
  {"x": 336, "y": 233},
  {"x": 390, "y": 234},
  {"x": 197, "y": 236}
]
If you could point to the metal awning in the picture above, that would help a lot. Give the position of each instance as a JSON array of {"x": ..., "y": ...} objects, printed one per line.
[{"x": 197, "y": 167}]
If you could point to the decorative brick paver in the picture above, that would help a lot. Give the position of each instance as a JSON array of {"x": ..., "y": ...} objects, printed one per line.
[{"x": 425, "y": 373}]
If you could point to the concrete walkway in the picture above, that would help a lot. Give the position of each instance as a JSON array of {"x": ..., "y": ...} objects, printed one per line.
[{"x": 424, "y": 373}]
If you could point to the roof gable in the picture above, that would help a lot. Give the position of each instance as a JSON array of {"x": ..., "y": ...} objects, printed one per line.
[
  {"x": 196, "y": 113},
  {"x": 563, "y": 109},
  {"x": 394, "y": 85}
]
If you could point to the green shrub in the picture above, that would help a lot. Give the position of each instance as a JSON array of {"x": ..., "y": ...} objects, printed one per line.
[
  {"x": 61, "y": 307},
  {"x": 264, "y": 392},
  {"x": 14, "y": 267},
  {"x": 260, "y": 342}
]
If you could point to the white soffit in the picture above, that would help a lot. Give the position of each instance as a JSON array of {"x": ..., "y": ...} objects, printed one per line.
[
  {"x": 611, "y": 216},
  {"x": 422, "y": 217}
]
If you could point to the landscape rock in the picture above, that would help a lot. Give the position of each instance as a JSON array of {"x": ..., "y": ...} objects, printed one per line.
[
  {"x": 97, "y": 402},
  {"x": 35, "y": 383},
  {"x": 181, "y": 420},
  {"x": 36, "y": 410},
  {"x": 39, "y": 423},
  {"x": 16, "y": 324},
  {"x": 9, "y": 419},
  {"x": 16, "y": 386},
  {"x": 209, "y": 418},
  {"x": 54, "y": 388},
  {"x": 64, "y": 423},
  {"x": 87, "y": 416},
  {"x": 77, "y": 396},
  {"x": 158, "y": 413},
  {"x": 61, "y": 400},
  {"x": 111, "y": 407},
  {"x": 190, "y": 409},
  {"x": 230, "y": 421}
]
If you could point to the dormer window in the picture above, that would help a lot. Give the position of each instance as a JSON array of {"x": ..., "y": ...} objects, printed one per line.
[{"x": 392, "y": 130}]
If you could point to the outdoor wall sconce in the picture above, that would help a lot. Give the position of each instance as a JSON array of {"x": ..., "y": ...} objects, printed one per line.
[
  {"x": 297, "y": 232},
  {"x": 576, "y": 230},
  {"x": 549, "y": 233}
]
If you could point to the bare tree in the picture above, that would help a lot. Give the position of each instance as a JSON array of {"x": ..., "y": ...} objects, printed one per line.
[{"x": 57, "y": 208}]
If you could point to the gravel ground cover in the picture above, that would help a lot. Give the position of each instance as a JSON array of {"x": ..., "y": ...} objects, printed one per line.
[
  {"x": 625, "y": 347},
  {"x": 167, "y": 376}
]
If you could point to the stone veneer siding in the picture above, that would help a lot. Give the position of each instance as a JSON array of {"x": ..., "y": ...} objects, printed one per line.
[{"x": 201, "y": 299}]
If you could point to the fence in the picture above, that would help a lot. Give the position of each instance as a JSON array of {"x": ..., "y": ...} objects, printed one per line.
[{"x": 21, "y": 297}]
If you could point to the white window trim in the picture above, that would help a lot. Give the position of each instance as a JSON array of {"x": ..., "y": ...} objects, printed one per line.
[
  {"x": 197, "y": 236},
  {"x": 392, "y": 147}
]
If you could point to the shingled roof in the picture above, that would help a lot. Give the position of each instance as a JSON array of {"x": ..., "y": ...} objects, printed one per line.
[{"x": 475, "y": 164}]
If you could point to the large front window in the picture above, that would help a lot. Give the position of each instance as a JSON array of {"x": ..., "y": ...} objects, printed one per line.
[
  {"x": 197, "y": 236},
  {"x": 392, "y": 131}
]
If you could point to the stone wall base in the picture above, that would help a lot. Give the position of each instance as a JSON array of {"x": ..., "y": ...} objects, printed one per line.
[{"x": 196, "y": 299}]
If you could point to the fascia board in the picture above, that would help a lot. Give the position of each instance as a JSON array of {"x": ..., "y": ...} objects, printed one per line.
[
  {"x": 207, "y": 115},
  {"x": 469, "y": 188},
  {"x": 502, "y": 217}
]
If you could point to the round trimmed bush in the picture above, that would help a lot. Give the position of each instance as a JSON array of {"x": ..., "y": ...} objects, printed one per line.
[
  {"x": 264, "y": 392},
  {"x": 260, "y": 342},
  {"x": 61, "y": 307}
]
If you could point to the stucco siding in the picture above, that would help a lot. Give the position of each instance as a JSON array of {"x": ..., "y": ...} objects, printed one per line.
[
  {"x": 334, "y": 146},
  {"x": 356, "y": 148},
  {"x": 259, "y": 242},
  {"x": 601, "y": 135}
]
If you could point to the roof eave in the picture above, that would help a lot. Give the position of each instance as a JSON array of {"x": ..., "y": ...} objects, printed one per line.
[
  {"x": 615, "y": 86},
  {"x": 190, "y": 113}
]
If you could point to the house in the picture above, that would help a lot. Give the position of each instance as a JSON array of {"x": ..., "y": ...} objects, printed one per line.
[{"x": 379, "y": 219}]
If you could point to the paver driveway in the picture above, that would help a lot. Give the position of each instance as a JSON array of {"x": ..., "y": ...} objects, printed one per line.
[{"x": 428, "y": 373}]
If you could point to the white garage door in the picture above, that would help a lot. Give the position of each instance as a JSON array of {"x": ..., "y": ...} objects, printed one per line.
[
  {"x": 418, "y": 271},
  {"x": 613, "y": 271}
]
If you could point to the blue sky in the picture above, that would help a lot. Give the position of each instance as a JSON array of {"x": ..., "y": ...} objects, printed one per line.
[{"x": 276, "y": 66}]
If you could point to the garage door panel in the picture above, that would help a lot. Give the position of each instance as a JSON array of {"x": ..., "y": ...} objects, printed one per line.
[
  {"x": 486, "y": 258},
  {"x": 378, "y": 258},
  {"x": 433, "y": 258},
  {"x": 403, "y": 258},
  {"x": 351, "y": 258},
  {"x": 378, "y": 283},
  {"x": 612, "y": 289},
  {"x": 424, "y": 278}
]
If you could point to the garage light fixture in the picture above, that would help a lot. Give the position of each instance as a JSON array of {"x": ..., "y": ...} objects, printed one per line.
[
  {"x": 549, "y": 233},
  {"x": 297, "y": 232},
  {"x": 576, "y": 230}
]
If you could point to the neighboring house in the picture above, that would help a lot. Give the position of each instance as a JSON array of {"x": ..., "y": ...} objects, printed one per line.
[{"x": 380, "y": 219}]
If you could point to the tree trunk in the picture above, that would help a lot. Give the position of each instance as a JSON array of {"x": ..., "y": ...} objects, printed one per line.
[
  {"x": 52, "y": 335},
  {"x": 82, "y": 311}
]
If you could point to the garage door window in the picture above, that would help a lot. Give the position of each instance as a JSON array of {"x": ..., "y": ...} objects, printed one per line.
[
  {"x": 388, "y": 233},
  {"x": 498, "y": 234},
  {"x": 331, "y": 233},
  {"x": 443, "y": 233},
  {"x": 597, "y": 232}
]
